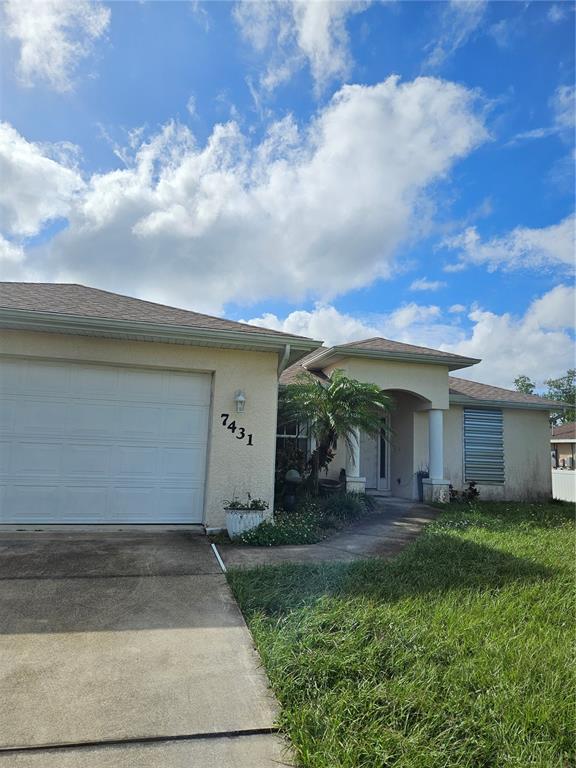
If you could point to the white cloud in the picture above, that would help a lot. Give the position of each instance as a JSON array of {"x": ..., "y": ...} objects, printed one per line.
[
  {"x": 423, "y": 284},
  {"x": 459, "y": 19},
  {"x": 35, "y": 188},
  {"x": 523, "y": 248},
  {"x": 53, "y": 37},
  {"x": 312, "y": 211},
  {"x": 457, "y": 309},
  {"x": 563, "y": 108},
  {"x": 294, "y": 32},
  {"x": 411, "y": 323},
  {"x": 538, "y": 343}
]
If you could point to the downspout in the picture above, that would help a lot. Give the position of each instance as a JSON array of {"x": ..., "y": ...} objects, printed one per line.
[{"x": 284, "y": 360}]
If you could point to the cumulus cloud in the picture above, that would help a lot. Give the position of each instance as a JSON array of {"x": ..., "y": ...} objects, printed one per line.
[
  {"x": 292, "y": 33},
  {"x": 310, "y": 211},
  {"x": 538, "y": 343},
  {"x": 523, "y": 248},
  {"x": 35, "y": 187},
  {"x": 412, "y": 323},
  {"x": 53, "y": 36},
  {"x": 459, "y": 19},
  {"x": 423, "y": 284}
]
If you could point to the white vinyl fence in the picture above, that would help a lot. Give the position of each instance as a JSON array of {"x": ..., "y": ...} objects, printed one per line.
[{"x": 564, "y": 484}]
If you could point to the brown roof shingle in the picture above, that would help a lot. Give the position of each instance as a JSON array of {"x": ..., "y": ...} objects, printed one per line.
[
  {"x": 565, "y": 431},
  {"x": 471, "y": 389},
  {"x": 82, "y": 301},
  {"x": 378, "y": 344},
  {"x": 479, "y": 391}
]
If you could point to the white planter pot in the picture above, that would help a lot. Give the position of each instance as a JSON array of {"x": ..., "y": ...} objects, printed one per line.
[{"x": 238, "y": 521}]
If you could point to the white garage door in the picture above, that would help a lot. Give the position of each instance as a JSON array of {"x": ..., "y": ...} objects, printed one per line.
[{"x": 101, "y": 444}]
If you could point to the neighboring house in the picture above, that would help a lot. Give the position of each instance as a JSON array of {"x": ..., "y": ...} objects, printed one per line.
[
  {"x": 121, "y": 411},
  {"x": 452, "y": 429},
  {"x": 563, "y": 446}
]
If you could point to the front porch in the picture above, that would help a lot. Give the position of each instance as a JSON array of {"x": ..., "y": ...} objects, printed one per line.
[{"x": 411, "y": 442}]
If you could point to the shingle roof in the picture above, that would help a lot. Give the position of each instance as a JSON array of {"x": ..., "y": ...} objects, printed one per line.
[
  {"x": 479, "y": 391},
  {"x": 565, "y": 431},
  {"x": 82, "y": 301},
  {"x": 471, "y": 389},
  {"x": 378, "y": 344}
]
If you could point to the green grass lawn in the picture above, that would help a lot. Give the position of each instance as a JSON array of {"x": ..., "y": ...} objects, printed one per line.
[{"x": 456, "y": 653}]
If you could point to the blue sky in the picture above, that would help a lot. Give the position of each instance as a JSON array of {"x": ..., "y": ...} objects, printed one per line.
[{"x": 339, "y": 170}]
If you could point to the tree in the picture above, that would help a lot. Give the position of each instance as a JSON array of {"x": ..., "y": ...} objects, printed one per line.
[
  {"x": 335, "y": 410},
  {"x": 524, "y": 384},
  {"x": 564, "y": 390}
]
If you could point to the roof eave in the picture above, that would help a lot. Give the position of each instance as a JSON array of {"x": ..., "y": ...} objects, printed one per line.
[
  {"x": 335, "y": 353},
  {"x": 18, "y": 319},
  {"x": 467, "y": 400}
]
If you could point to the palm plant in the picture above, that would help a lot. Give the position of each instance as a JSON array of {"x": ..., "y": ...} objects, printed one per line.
[{"x": 337, "y": 409}]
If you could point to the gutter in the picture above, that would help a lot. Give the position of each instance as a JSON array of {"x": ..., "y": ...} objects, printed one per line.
[
  {"x": 18, "y": 319},
  {"x": 545, "y": 406},
  {"x": 452, "y": 363}
]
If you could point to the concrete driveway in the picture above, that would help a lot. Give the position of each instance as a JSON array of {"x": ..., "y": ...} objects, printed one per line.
[{"x": 126, "y": 649}]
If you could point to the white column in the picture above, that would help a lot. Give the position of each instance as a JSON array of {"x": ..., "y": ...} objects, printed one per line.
[
  {"x": 353, "y": 455},
  {"x": 353, "y": 480},
  {"x": 436, "y": 443}
]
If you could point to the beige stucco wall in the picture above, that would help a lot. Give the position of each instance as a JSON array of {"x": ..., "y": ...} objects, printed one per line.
[
  {"x": 232, "y": 465},
  {"x": 526, "y": 454},
  {"x": 428, "y": 381}
]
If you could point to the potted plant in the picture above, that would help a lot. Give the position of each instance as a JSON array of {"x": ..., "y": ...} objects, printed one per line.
[{"x": 242, "y": 516}]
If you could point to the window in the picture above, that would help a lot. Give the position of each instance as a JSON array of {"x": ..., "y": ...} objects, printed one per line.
[
  {"x": 483, "y": 446},
  {"x": 291, "y": 433}
]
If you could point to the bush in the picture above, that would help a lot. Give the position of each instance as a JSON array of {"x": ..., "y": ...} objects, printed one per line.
[
  {"x": 300, "y": 527},
  {"x": 311, "y": 522}
]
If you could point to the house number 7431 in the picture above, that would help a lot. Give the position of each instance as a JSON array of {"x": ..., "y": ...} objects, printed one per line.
[{"x": 234, "y": 428}]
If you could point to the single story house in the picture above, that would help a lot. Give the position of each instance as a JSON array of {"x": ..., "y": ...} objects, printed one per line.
[
  {"x": 563, "y": 446},
  {"x": 122, "y": 411},
  {"x": 449, "y": 429}
]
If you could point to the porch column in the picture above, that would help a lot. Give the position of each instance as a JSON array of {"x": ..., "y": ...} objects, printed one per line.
[
  {"x": 436, "y": 488},
  {"x": 436, "y": 444},
  {"x": 353, "y": 480}
]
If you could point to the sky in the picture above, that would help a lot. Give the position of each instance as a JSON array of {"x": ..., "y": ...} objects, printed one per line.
[{"x": 338, "y": 170}]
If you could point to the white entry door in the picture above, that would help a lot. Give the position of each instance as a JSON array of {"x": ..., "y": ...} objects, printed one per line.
[
  {"x": 100, "y": 444},
  {"x": 375, "y": 461}
]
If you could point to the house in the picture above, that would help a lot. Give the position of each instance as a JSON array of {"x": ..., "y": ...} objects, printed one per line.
[
  {"x": 116, "y": 410},
  {"x": 122, "y": 411},
  {"x": 453, "y": 430},
  {"x": 563, "y": 446}
]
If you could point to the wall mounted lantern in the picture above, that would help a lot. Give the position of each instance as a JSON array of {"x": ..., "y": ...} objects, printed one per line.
[{"x": 240, "y": 400}]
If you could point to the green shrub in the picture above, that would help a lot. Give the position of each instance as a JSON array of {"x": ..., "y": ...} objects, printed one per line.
[
  {"x": 299, "y": 527},
  {"x": 313, "y": 520}
]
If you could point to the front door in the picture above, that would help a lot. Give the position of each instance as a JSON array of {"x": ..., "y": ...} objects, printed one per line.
[{"x": 375, "y": 461}]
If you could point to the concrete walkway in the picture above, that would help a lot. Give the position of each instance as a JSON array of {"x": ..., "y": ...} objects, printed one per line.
[
  {"x": 384, "y": 533},
  {"x": 126, "y": 649}
]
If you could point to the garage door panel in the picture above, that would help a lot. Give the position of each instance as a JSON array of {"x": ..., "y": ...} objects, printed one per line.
[
  {"x": 180, "y": 422},
  {"x": 98, "y": 444},
  {"x": 183, "y": 462},
  {"x": 87, "y": 460},
  {"x": 137, "y": 460},
  {"x": 33, "y": 417},
  {"x": 144, "y": 420},
  {"x": 36, "y": 459}
]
